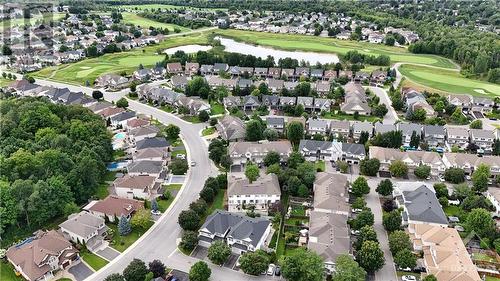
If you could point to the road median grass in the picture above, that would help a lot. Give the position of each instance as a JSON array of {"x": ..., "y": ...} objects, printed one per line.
[
  {"x": 294, "y": 42},
  {"x": 448, "y": 81}
]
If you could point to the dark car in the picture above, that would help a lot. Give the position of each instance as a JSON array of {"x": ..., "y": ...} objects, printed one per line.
[{"x": 277, "y": 271}]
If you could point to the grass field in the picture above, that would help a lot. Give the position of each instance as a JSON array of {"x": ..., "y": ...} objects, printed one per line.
[
  {"x": 121, "y": 243},
  {"x": 7, "y": 272},
  {"x": 146, "y": 23},
  {"x": 163, "y": 6},
  {"x": 89, "y": 69},
  {"x": 93, "y": 260},
  {"x": 294, "y": 42},
  {"x": 448, "y": 81}
]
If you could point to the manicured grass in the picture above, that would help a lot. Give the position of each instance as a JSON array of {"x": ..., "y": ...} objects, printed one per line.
[
  {"x": 331, "y": 45},
  {"x": 298, "y": 211},
  {"x": 208, "y": 131},
  {"x": 320, "y": 165},
  {"x": 63, "y": 279},
  {"x": 89, "y": 69},
  {"x": 102, "y": 189},
  {"x": 121, "y": 243},
  {"x": 490, "y": 278},
  {"x": 165, "y": 6},
  {"x": 117, "y": 154},
  {"x": 7, "y": 272},
  {"x": 177, "y": 152},
  {"x": 146, "y": 23},
  {"x": 448, "y": 81},
  {"x": 167, "y": 108},
  {"x": 216, "y": 108},
  {"x": 339, "y": 116},
  {"x": 482, "y": 257},
  {"x": 218, "y": 203},
  {"x": 93, "y": 260},
  {"x": 164, "y": 204},
  {"x": 453, "y": 211},
  {"x": 296, "y": 221},
  {"x": 191, "y": 119},
  {"x": 5, "y": 82}
]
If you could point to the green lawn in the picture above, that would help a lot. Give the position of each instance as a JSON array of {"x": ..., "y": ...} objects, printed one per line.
[
  {"x": 453, "y": 211},
  {"x": 482, "y": 257},
  {"x": 320, "y": 165},
  {"x": 164, "y": 204},
  {"x": 177, "y": 152},
  {"x": 102, "y": 189},
  {"x": 331, "y": 45},
  {"x": 5, "y": 82},
  {"x": 490, "y": 278},
  {"x": 448, "y": 81},
  {"x": 121, "y": 243},
  {"x": 93, "y": 260},
  {"x": 191, "y": 119},
  {"x": 7, "y": 272},
  {"x": 298, "y": 211},
  {"x": 89, "y": 69},
  {"x": 208, "y": 131},
  {"x": 218, "y": 203},
  {"x": 216, "y": 108},
  {"x": 165, "y": 6},
  {"x": 146, "y": 23},
  {"x": 337, "y": 116}
]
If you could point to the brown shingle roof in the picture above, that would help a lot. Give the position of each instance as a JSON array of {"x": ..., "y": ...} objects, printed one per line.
[{"x": 117, "y": 206}]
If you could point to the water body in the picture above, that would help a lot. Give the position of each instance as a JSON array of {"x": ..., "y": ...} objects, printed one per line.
[
  {"x": 188, "y": 49},
  {"x": 262, "y": 52}
]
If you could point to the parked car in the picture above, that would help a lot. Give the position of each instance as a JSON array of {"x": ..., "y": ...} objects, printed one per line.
[
  {"x": 181, "y": 156},
  {"x": 407, "y": 269},
  {"x": 355, "y": 232},
  {"x": 270, "y": 269},
  {"x": 155, "y": 212},
  {"x": 277, "y": 271},
  {"x": 356, "y": 210},
  {"x": 409, "y": 278},
  {"x": 193, "y": 163},
  {"x": 459, "y": 228}
]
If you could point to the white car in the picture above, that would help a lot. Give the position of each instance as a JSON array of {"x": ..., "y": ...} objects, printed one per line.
[
  {"x": 193, "y": 163},
  {"x": 356, "y": 210},
  {"x": 156, "y": 213},
  {"x": 468, "y": 177},
  {"x": 355, "y": 232},
  {"x": 409, "y": 278},
  {"x": 181, "y": 156},
  {"x": 270, "y": 269}
]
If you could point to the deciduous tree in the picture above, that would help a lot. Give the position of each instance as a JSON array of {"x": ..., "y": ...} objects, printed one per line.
[
  {"x": 200, "y": 272},
  {"x": 385, "y": 187},
  {"x": 254, "y": 263},
  {"x": 219, "y": 252},
  {"x": 303, "y": 265},
  {"x": 135, "y": 271},
  {"x": 370, "y": 256},
  {"x": 347, "y": 269}
]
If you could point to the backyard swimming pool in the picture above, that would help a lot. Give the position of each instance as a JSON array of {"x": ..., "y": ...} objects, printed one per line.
[
  {"x": 119, "y": 136},
  {"x": 114, "y": 166}
]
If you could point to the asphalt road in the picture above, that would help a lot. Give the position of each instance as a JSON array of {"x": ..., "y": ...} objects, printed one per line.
[{"x": 391, "y": 117}]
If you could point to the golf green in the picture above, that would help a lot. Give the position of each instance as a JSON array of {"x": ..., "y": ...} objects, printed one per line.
[{"x": 448, "y": 81}]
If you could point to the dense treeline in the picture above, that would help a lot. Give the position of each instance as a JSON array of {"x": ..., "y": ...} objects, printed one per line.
[
  {"x": 52, "y": 158},
  {"x": 175, "y": 19}
]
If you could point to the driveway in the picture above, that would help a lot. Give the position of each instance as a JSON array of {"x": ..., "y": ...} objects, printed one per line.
[
  {"x": 391, "y": 117},
  {"x": 80, "y": 271},
  {"x": 108, "y": 253},
  {"x": 200, "y": 253}
]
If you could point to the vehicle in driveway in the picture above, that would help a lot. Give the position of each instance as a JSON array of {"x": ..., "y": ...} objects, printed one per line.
[
  {"x": 270, "y": 269},
  {"x": 409, "y": 278},
  {"x": 155, "y": 212},
  {"x": 277, "y": 271}
]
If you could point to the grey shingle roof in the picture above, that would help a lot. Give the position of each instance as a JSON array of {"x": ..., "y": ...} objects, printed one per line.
[
  {"x": 276, "y": 121},
  {"x": 145, "y": 167},
  {"x": 123, "y": 116},
  {"x": 314, "y": 145},
  {"x": 422, "y": 205},
  {"x": 152, "y": 142},
  {"x": 434, "y": 130},
  {"x": 353, "y": 148},
  {"x": 408, "y": 128}
]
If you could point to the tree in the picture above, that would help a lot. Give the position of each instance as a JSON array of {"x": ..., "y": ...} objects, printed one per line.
[
  {"x": 364, "y": 218},
  {"x": 141, "y": 219},
  {"x": 124, "y": 226},
  {"x": 480, "y": 178},
  {"x": 414, "y": 140},
  {"x": 405, "y": 259},
  {"x": 303, "y": 265},
  {"x": 114, "y": 277},
  {"x": 199, "y": 206},
  {"x": 254, "y": 263},
  {"x": 476, "y": 124},
  {"x": 295, "y": 132},
  {"x": 157, "y": 268},
  {"x": 359, "y": 203},
  {"x": 454, "y": 175},
  {"x": 189, "y": 220},
  {"x": 271, "y": 134},
  {"x": 97, "y": 95},
  {"x": 295, "y": 159},
  {"x": 252, "y": 172},
  {"x": 369, "y": 167},
  {"x": 462, "y": 191},
  {"x": 274, "y": 169},
  {"x": 347, "y": 269},
  {"x": 441, "y": 190},
  {"x": 385, "y": 187},
  {"x": 189, "y": 240},
  {"x": 254, "y": 130},
  {"x": 366, "y": 233},
  {"x": 207, "y": 194},
  {"x": 200, "y": 272},
  {"x": 398, "y": 241},
  {"x": 218, "y": 252},
  {"x": 370, "y": 256},
  {"x": 363, "y": 138},
  {"x": 122, "y": 103},
  {"x": 430, "y": 277},
  {"x": 360, "y": 187},
  {"x": 476, "y": 201},
  {"x": 417, "y": 115},
  {"x": 203, "y": 116},
  {"x": 172, "y": 132},
  {"x": 392, "y": 220},
  {"x": 398, "y": 168},
  {"x": 480, "y": 221},
  {"x": 135, "y": 271},
  {"x": 422, "y": 171},
  {"x": 179, "y": 166},
  {"x": 272, "y": 157}
]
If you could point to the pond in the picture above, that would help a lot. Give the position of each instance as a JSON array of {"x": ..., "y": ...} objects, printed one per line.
[
  {"x": 188, "y": 49},
  {"x": 262, "y": 52}
]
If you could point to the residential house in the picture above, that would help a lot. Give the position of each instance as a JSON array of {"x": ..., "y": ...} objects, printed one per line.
[
  {"x": 85, "y": 228},
  {"x": 378, "y": 77},
  {"x": 469, "y": 162},
  {"x": 482, "y": 104},
  {"x": 179, "y": 82},
  {"x": 434, "y": 135},
  {"x": 290, "y": 85},
  {"x": 493, "y": 194},
  {"x": 352, "y": 153},
  {"x": 444, "y": 253},
  {"x": 250, "y": 103},
  {"x": 322, "y": 87},
  {"x": 355, "y": 100},
  {"x": 156, "y": 142},
  {"x": 271, "y": 101},
  {"x": 231, "y": 128},
  {"x": 191, "y": 68},
  {"x": 317, "y": 73},
  {"x": 314, "y": 150},
  {"x": 411, "y": 158},
  {"x": 259, "y": 195},
  {"x": 232, "y": 101},
  {"x": 158, "y": 72},
  {"x": 361, "y": 76},
  {"x": 114, "y": 207},
  {"x": 260, "y": 72},
  {"x": 306, "y": 102},
  {"x": 359, "y": 127},
  {"x": 22, "y": 87},
  {"x": 244, "y": 83},
  {"x": 384, "y": 128},
  {"x": 206, "y": 69},
  {"x": 274, "y": 72},
  {"x": 38, "y": 258},
  {"x": 147, "y": 168},
  {"x": 287, "y": 101},
  {"x": 152, "y": 154},
  {"x": 302, "y": 72},
  {"x": 457, "y": 136},
  {"x": 330, "y": 75},
  {"x": 143, "y": 74},
  {"x": 111, "y": 81},
  {"x": 142, "y": 187},
  {"x": 483, "y": 139},
  {"x": 195, "y": 106},
  {"x": 275, "y": 85},
  {"x": 288, "y": 73},
  {"x": 340, "y": 128},
  {"x": 121, "y": 119},
  {"x": 220, "y": 67},
  {"x": 99, "y": 106},
  {"x": 174, "y": 68},
  {"x": 243, "y": 152},
  {"x": 276, "y": 123},
  {"x": 317, "y": 126},
  {"x": 415, "y": 100},
  {"x": 322, "y": 104},
  {"x": 240, "y": 232},
  {"x": 138, "y": 134},
  {"x": 407, "y": 130},
  {"x": 110, "y": 112},
  {"x": 331, "y": 194},
  {"x": 463, "y": 101},
  {"x": 420, "y": 204}
]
